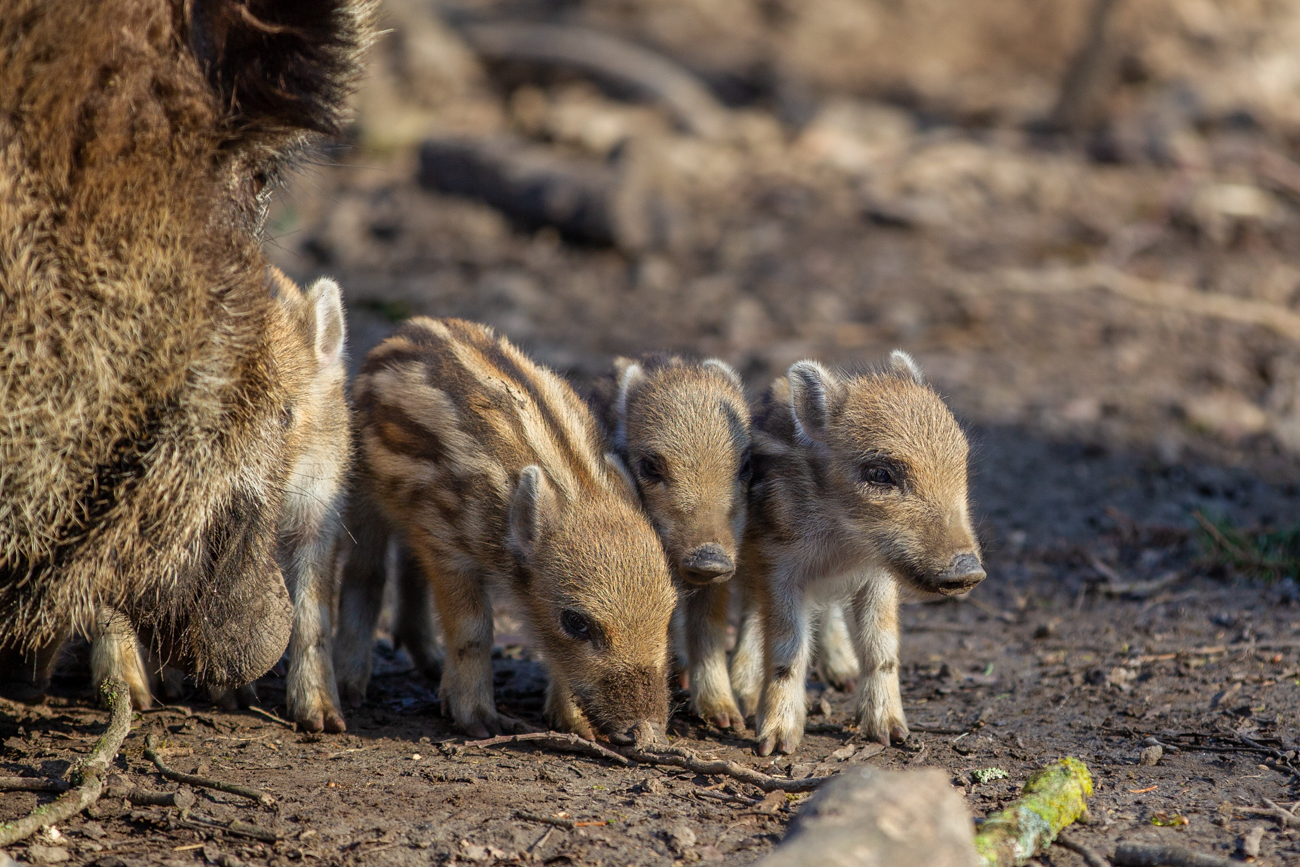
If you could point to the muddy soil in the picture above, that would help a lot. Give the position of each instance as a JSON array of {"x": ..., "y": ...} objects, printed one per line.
[{"x": 1081, "y": 306}]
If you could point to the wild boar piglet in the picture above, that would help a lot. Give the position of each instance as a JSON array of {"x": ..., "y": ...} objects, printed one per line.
[
  {"x": 308, "y": 333},
  {"x": 493, "y": 474},
  {"x": 859, "y": 494},
  {"x": 683, "y": 429}
]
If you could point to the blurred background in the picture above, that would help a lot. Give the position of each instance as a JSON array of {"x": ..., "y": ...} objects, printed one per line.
[{"x": 1081, "y": 216}]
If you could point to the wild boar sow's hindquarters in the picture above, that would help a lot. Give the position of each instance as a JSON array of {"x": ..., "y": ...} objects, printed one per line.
[
  {"x": 142, "y": 401},
  {"x": 683, "y": 429},
  {"x": 859, "y": 493},
  {"x": 493, "y": 473}
]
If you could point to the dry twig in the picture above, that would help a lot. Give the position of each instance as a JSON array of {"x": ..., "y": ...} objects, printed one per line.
[
  {"x": 1147, "y": 855},
  {"x": 87, "y": 775},
  {"x": 558, "y": 740},
  {"x": 1090, "y": 856},
  {"x": 273, "y": 718},
  {"x": 204, "y": 782},
  {"x": 683, "y": 758}
]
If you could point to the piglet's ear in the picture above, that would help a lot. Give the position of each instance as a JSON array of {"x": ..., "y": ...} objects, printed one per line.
[
  {"x": 813, "y": 393},
  {"x": 533, "y": 503},
  {"x": 717, "y": 364},
  {"x": 281, "y": 65},
  {"x": 621, "y": 474},
  {"x": 629, "y": 375},
  {"x": 326, "y": 299},
  {"x": 905, "y": 366}
]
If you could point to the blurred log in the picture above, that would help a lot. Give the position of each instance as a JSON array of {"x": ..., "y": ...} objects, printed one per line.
[
  {"x": 868, "y": 817},
  {"x": 586, "y": 201},
  {"x": 1053, "y": 798},
  {"x": 608, "y": 57}
]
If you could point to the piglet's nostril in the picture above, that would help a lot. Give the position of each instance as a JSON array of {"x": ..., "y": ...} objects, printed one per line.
[
  {"x": 963, "y": 573},
  {"x": 707, "y": 564}
]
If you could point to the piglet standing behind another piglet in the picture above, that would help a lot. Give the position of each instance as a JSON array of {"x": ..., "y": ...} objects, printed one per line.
[
  {"x": 493, "y": 472},
  {"x": 859, "y": 493},
  {"x": 683, "y": 429}
]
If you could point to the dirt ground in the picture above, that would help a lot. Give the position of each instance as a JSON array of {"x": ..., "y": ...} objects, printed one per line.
[{"x": 1113, "y": 315}]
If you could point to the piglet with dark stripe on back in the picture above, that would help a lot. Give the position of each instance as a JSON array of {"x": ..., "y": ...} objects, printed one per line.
[{"x": 491, "y": 472}]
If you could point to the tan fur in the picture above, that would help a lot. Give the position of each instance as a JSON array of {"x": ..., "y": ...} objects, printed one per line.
[
  {"x": 142, "y": 434},
  {"x": 493, "y": 472},
  {"x": 859, "y": 494},
  {"x": 683, "y": 429}
]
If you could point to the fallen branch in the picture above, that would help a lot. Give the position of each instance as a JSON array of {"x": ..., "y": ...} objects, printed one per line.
[
  {"x": 1086, "y": 74},
  {"x": 204, "y": 782},
  {"x": 1053, "y": 798},
  {"x": 33, "y": 784},
  {"x": 677, "y": 757},
  {"x": 273, "y": 718},
  {"x": 559, "y": 740},
  {"x": 1089, "y": 856},
  {"x": 544, "y": 820},
  {"x": 1284, "y": 817},
  {"x": 238, "y": 828},
  {"x": 680, "y": 757},
  {"x": 1247, "y": 311},
  {"x": 1148, "y": 855},
  {"x": 87, "y": 775},
  {"x": 608, "y": 57}
]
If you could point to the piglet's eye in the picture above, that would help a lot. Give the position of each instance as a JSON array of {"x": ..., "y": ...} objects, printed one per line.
[
  {"x": 575, "y": 625},
  {"x": 651, "y": 468},
  {"x": 878, "y": 475}
]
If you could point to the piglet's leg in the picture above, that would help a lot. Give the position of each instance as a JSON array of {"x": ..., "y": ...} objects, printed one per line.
[
  {"x": 875, "y": 636},
  {"x": 705, "y": 636},
  {"x": 747, "y": 659},
  {"x": 312, "y": 695},
  {"x": 360, "y": 598},
  {"x": 466, "y": 614},
  {"x": 783, "y": 709},
  {"x": 562, "y": 711},
  {"x": 835, "y": 656}
]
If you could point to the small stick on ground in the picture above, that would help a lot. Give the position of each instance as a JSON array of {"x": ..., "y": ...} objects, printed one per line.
[
  {"x": 1145, "y": 855},
  {"x": 204, "y": 782},
  {"x": 87, "y": 775},
  {"x": 545, "y": 820},
  {"x": 273, "y": 718},
  {"x": 1284, "y": 817},
  {"x": 680, "y": 757},
  {"x": 558, "y": 740},
  {"x": 238, "y": 828},
  {"x": 33, "y": 784},
  {"x": 1090, "y": 856}
]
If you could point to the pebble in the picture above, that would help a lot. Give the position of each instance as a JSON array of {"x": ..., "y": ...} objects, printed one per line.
[
  {"x": 47, "y": 854},
  {"x": 1151, "y": 755}
]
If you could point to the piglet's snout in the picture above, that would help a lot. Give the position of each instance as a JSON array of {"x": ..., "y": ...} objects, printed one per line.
[
  {"x": 644, "y": 734},
  {"x": 963, "y": 573},
  {"x": 707, "y": 564}
]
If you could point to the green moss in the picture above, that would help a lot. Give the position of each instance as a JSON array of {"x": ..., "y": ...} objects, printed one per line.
[
  {"x": 1270, "y": 554},
  {"x": 1051, "y": 800}
]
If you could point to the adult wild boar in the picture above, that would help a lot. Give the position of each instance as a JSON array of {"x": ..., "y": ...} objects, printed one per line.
[{"x": 144, "y": 407}]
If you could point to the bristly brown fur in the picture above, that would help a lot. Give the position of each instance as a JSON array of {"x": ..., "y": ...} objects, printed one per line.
[
  {"x": 494, "y": 474},
  {"x": 142, "y": 401}
]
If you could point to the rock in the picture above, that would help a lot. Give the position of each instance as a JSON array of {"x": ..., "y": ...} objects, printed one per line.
[
  {"x": 868, "y": 817},
  {"x": 1225, "y": 414},
  {"x": 1151, "y": 755},
  {"x": 680, "y": 838},
  {"x": 47, "y": 854}
]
